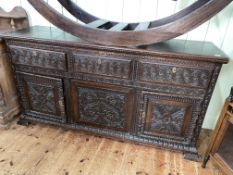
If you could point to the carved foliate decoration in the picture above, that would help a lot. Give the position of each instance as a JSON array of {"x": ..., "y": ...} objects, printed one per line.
[
  {"x": 38, "y": 58},
  {"x": 145, "y": 96},
  {"x": 206, "y": 101},
  {"x": 102, "y": 107},
  {"x": 42, "y": 98},
  {"x": 167, "y": 119},
  {"x": 114, "y": 67},
  {"x": 174, "y": 74}
]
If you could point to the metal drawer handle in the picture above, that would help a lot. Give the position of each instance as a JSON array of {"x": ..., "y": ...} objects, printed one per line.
[{"x": 174, "y": 70}]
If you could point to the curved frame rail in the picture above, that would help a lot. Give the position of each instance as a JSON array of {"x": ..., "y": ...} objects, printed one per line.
[
  {"x": 86, "y": 17},
  {"x": 159, "y": 30}
]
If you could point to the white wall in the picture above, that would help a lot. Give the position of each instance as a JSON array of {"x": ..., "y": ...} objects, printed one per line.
[{"x": 219, "y": 30}]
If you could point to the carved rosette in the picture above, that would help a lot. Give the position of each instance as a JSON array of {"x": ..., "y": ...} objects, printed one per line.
[
  {"x": 42, "y": 98},
  {"x": 42, "y": 95},
  {"x": 167, "y": 118},
  {"x": 102, "y": 107}
]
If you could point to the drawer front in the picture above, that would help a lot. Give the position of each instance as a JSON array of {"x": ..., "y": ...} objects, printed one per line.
[
  {"x": 99, "y": 65},
  {"x": 38, "y": 58},
  {"x": 42, "y": 97},
  {"x": 174, "y": 74},
  {"x": 163, "y": 116},
  {"x": 102, "y": 105}
]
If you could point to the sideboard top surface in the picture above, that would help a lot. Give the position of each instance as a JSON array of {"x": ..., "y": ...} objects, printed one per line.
[{"x": 205, "y": 51}]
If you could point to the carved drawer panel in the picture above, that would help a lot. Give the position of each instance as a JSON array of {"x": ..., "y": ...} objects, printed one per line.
[
  {"x": 102, "y": 105},
  {"x": 167, "y": 116},
  {"x": 38, "y": 58},
  {"x": 174, "y": 74},
  {"x": 42, "y": 97},
  {"x": 100, "y": 65}
]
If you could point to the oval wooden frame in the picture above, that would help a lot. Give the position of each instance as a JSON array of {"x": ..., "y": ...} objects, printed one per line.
[{"x": 159, "y": 30}]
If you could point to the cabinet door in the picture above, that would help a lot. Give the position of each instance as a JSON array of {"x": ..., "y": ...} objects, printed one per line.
[
  {"x": 164, "y": 116},
  {"x": 41, "y": 97},
  {"x": 102, "y": 105}
]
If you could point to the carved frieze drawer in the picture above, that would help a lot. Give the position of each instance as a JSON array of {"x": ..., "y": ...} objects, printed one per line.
[
  {"x": 100, "y": 65},
  {"x": 42, "y": 97},
  {"x": 102, "y": 105},
  {"x": 38, "y": 58},
  {"x": 175, "y": 74},
  {"x": 168, "y": 117}
]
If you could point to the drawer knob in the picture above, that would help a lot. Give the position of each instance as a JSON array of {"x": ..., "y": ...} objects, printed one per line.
[
  {"x": 12, "y": 24},
  {"x": 174, "y": 70},
  {"x": 99, "y": 61},
  {"x": 34, "y": 53}
]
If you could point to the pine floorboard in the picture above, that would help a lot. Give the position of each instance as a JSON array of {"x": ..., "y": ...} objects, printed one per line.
[{"x": 40, "y": 149}]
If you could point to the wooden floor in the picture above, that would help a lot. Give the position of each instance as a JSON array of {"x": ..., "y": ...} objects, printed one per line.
[{"x": 47, "y": 150}]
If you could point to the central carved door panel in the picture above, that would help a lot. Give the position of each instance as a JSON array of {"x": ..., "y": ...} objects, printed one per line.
[
  {"x": 167, "y": 117},
  {"x": 42, "y": 97},
  {"x": 102, "y": 105}
]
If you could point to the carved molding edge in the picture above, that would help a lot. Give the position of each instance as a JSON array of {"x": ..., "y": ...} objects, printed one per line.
[{"x": 186, "y": 149}]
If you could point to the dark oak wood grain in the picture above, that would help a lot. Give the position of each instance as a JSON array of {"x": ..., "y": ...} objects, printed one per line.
[
  {"x": 155, "y": 95},
  {"x": 159, "y": 30}
]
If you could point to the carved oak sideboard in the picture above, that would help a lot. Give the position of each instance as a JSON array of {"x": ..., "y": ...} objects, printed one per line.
[{"x": 155, "y": 95}]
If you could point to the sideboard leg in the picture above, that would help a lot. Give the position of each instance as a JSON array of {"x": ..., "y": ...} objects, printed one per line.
[
  {"x": 23, "y": 122},
  {"x": 205, "y": 160}
]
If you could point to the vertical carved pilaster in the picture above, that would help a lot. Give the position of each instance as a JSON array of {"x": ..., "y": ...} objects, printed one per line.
[{"x": 207, "y": 101}]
